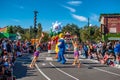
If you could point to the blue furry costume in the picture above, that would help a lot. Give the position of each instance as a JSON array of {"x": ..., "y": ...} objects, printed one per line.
[{"x": 61, "y": 52}]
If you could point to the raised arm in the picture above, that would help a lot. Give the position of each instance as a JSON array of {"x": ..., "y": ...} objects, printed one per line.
[
  {"x": 42, "y": 35},
  {"x": 73, "y": 43}
]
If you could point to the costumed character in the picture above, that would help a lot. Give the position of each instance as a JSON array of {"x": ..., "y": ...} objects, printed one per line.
[
  {"x": 56, "y": 47},
  {"x": 49, "y": 46},
  {"x": 56, "y": 28},
  {"x": 61, "y": 46},
  {"x": 54, "y": 32},
  {"x": 53, "y": 44}
]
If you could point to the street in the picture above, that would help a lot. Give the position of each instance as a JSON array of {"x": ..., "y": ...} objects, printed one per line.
[{"x": 47, "y": 68}]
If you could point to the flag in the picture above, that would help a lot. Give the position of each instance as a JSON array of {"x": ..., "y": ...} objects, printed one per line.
[{"x": 3, "y": 29}]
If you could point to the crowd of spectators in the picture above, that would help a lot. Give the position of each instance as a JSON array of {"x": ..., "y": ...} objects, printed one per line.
[{"x": 105, "y": 52}]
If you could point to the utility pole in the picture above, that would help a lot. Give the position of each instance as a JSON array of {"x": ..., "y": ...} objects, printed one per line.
[
  {"x": 35, "y": 24},
  {"x": 35, "y": 21},
  {"x": 89, "y": 28},
  {"x": 88, "y": 22}
]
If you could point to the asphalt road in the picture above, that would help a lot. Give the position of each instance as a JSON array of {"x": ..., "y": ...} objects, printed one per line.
[{"x": 48, "y": 69}]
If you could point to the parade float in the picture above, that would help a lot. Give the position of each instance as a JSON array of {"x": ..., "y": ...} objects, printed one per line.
[
  {"x": 68, "y": 39},
  {"x": 55, "y": 30}
]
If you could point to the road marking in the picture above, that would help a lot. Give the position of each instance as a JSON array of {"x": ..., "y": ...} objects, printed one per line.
[
  {"x": 63, "y": 71},
  {"x": 106, "y": 71},
  {"x": 84, "y": 59},
  {"x": 98, "y": 68},
  {"x": 43, "y": 64},
  {"x": 49, "y": 58},
  {"x": 42, "y": 72},
  {"x": 103, "y": 70}
]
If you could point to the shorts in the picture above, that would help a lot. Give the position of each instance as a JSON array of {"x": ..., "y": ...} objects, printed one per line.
[
  {"x": 76, "y": 53},
  {"x": 36, "y": 53}
]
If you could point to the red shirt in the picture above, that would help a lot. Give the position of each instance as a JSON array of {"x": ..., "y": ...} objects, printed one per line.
[{"x": 49, "y": 45}]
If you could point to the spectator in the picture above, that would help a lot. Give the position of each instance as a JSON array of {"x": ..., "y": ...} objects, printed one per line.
[
  {"x": 117, "y": 50},
  {"x": 105, "y": 58}
]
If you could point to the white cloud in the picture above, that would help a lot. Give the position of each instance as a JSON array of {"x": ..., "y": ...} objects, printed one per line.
[
  {"x": 69, "y": 8},
  {"x": 15, "y": 20},
  {"x": 80, "y": 18},
  {"x": 90, "y": 24},
  {"x": 75, "y": 3},
  {"x": 94, "y": 17}
]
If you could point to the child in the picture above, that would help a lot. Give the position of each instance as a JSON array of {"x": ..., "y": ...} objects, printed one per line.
[
  {"x": 36, "y": 53},
  {"x": 111, "y": 59},
  {"x": 76, "y": 53},
  {"x": 105, "y": 58}
]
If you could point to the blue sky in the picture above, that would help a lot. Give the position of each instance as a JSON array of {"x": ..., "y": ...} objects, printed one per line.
[{"x": 20, "y": 12}]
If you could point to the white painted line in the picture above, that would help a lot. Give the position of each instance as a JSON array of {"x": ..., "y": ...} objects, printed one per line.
[
  {"x": 83, "y": 59},
  {"x": 43, "y": 64},
  {"x": 96, "y": 67},
  {"x": 104, "y": 70},
  {"x": 42, "y": 72},
  {"x": 107, "y": 71},
  {"x": 63, "y": 71},
  {"x": 49, "y": 58}
]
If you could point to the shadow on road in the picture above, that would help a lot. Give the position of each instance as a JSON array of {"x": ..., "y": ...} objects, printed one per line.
[{"x": 21, "y": 68}]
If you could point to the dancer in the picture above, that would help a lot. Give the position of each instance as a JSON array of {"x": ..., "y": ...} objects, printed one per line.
[
  {"x": 37, "y": 52},
  {"x": 76, "y": 53}
]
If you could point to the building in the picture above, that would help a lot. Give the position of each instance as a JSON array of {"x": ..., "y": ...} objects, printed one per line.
[{"x": 110, "y": 26}]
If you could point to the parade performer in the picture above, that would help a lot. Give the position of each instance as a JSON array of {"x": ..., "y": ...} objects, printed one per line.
[
  {"x": 76, "y": 53},
  {"x": 56, "y": 47},
  {"x": 37, "y": 52},
  {"x": 61, "y": 46},
  {"x": 49, "y": 46}
]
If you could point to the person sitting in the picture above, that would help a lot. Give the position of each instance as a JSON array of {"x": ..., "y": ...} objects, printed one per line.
[
  {"x": 105, "y": 58},
  {"x": 111, "y": 59}
]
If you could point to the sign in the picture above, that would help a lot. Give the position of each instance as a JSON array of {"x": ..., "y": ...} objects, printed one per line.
[
  {"x": 112, "y": 30},
  {"x": 113, "y": 38}
]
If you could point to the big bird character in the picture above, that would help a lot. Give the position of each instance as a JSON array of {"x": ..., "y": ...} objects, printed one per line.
[{"x": 61, "y": 46}]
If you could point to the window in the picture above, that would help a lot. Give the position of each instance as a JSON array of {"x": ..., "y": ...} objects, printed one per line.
[{"x": 112, "y": 30}]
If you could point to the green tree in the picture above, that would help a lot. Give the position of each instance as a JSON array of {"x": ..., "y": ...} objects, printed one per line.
[
  {"x": 91, "y": 33},
  {"x": 10, "y": 29},
  {"x": 39, "y": 29},
  {"x": 46, "y": 37},
  {"x": 71, "y": 28}
]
